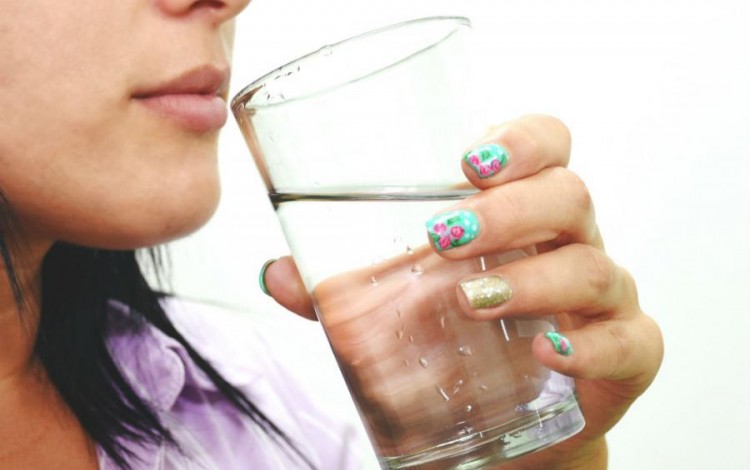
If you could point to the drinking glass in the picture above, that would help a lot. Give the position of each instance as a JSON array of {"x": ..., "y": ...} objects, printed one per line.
[{"x": 359, "y": 143}]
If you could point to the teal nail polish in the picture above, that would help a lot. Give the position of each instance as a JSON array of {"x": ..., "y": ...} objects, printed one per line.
[
  {"x": 453, "y": 229},
  {"x": 262, "y": 276},
  {"x": 487, "y": 159},
  {"x": 560, "y": 343}
]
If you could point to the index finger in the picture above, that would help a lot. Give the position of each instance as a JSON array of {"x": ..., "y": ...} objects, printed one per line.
[{"x": 516, "y": 150}]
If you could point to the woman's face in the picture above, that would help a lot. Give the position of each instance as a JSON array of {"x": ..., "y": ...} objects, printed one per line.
[{"x": 110, "y": 116}]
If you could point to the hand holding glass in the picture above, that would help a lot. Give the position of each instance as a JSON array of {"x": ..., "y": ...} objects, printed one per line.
[{"x": 359, "y": 144}]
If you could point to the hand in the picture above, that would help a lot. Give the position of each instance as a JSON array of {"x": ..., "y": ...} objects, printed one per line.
[{"x": 536, "y": 204}]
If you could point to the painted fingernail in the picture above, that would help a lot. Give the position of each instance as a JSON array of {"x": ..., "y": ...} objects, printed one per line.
[
  {"x": 262, "y": 276},
  {"x": 560, "y": 343},
  {"x": 487, "y": 159},
  {"x": 453, "y": 229},
  {"x": 486, "y": 292}
]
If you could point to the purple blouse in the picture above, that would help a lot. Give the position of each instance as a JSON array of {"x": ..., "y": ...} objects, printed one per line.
[{"x": 212, "y": 434}]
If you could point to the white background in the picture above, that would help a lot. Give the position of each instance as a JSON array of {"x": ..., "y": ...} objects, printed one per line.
[{"x": 657, "y": 95}]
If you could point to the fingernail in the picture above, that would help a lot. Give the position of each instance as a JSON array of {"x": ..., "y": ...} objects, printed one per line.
[
  {"x": 486, "y": 292},
  {"x": 453, "y": 229},
  {"x": 560, "y": 343},
  {"x": 487, "y": 159},
  {"x": 262, "y": 276}
]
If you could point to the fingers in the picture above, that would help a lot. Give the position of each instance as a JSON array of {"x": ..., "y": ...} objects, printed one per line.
[
  {"x": 605, "y": 334},
  {"x": 574, "y": 278},
  {"x": 516, "y": 150},
  {"x": 628, "y": 350},
  {"x": 284, "y": 284},
  {"x": 553, "y": 206},
  {"x": 529, "y": 198}
]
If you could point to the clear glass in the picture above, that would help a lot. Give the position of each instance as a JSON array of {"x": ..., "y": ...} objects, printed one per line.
[{"x": 359, "y": 143}]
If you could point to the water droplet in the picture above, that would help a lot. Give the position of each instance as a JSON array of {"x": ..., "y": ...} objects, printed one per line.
[
  {"x": 281, "y": 96},
  {"x": 373, "y": 281},
  {"x": 409, "y": 250},
  {"x": 411, "y": 338},
  {"x": 442, "y": 393},
  {"x": 457, "y": 386},
  {"x": 406, "y": 362},
  {"x": 423, "y": 362},
  {"x": 417, "y": 269},
  {"x": 400, "y": 333},
  {"x": 464, "y": 351},
  {"x": 468, "y": 408},
  {"x": 465, "y": 429},
  {"x": 442, "y": 321},
  {"x": 298, "y": 68},
  {"x": 484, "y": 388}
]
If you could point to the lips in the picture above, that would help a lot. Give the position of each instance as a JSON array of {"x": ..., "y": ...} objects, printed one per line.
[{"x": 194, "y": 100}]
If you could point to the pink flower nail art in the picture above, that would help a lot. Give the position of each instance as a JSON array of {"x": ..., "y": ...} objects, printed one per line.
[
  {"x": 453, "y": 229},
  {"x": 457, "y": 232},
  {"x": 487, "y": 159},
  {"x": 439, "y": 228},
  {"x": 445, "y": 242}
]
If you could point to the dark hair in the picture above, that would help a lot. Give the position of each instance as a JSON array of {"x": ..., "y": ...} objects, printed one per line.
[{"x": 77, "y": 285}]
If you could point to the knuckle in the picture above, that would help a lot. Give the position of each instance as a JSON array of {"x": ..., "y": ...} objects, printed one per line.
[
  {"x": 622, "y": 344},
  {"x": 565, "y": 135},
  {"x": 629, "y": 287},
  {"x": 512, "y": 207},
  {"x": 598, "y": 270},
  {"x": 636, "y": 352},
  {"x": 521, "y": 140},
  {"x": 560, "y": 130},
  {"x": 574, "y": 188},
  {"x": 655, "y": 338}
]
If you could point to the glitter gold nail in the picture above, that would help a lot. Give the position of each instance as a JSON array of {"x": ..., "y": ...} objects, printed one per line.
[{"x": 486, "y": 292}]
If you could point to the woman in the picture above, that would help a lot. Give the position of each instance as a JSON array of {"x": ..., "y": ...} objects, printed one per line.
[{"x": 107, "y": 145}]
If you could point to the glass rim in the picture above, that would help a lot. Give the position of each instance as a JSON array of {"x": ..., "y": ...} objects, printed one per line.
[{"x": 245, "y": 94}]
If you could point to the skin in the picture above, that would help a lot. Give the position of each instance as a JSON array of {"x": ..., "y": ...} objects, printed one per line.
[
  {"x": 545, "y": 207},
  {"x": 83, "y": 161}
]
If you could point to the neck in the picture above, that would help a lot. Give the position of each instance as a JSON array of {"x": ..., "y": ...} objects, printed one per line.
[
  {"x": 33, "y": 416},
  {"x": 18, "y": 323}
]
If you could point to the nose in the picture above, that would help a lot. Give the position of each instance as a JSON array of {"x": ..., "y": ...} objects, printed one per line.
[{"x": 217, "y": 11}]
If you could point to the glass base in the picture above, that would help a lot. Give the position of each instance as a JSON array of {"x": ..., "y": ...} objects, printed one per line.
[{"x": 531, "y": 433}]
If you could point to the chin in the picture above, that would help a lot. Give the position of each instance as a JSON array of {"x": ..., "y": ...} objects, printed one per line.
[
  {"x": 177, "y": 208},
  {"x": 165, "y": 224},
  {"x": 144, "y": 224}
]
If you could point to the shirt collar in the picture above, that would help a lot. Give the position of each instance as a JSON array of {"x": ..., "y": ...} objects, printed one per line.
[{"x": 159, "y": 368}]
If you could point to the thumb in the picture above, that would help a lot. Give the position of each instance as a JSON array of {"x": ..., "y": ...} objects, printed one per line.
[{"x": 284, "y": 283}]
